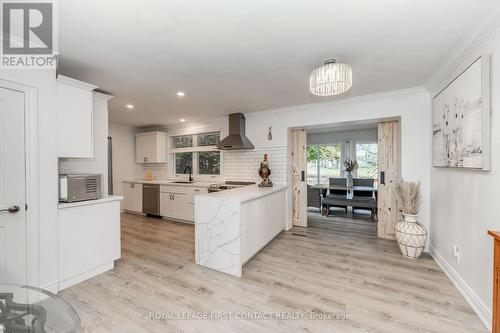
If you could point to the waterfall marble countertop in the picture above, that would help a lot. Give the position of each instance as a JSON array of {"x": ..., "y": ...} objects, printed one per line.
[
  {"x": 245, "y": 193},
  {"x": 234, "y": 225}
]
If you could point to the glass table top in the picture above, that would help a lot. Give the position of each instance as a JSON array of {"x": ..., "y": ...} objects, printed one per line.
[{"x": 26, "y": 309}]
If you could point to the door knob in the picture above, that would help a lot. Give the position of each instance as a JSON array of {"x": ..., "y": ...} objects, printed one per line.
[{"x": 11, "y": 209}]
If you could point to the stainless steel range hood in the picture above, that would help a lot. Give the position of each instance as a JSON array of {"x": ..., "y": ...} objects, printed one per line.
[{"x": 236, "y": 138}]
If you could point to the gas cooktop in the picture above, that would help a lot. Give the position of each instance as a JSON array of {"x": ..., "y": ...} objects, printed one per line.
[{"x": 228, "y": 185}]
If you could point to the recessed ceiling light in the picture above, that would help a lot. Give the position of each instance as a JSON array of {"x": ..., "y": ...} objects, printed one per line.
[
  {"x": 129, "y": 106},
  {"x": 181, "y": 94},
  {"x": 183, "y": 120}
]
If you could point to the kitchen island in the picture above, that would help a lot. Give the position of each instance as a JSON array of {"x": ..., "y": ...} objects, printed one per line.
[{"x": 233, "y": 226}]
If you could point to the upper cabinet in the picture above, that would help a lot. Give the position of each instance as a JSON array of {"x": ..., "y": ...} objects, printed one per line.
[
  {"x": 74, "y": 118},
  {"x": 151, "y": 147}
]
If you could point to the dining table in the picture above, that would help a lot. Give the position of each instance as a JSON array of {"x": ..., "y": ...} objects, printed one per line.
[{"x": 347, "y": 188}]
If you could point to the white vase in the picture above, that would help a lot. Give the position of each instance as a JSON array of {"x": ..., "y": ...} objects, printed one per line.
[
  {"x": 349, "y": 179},
  {"x": 411, "y": 236}
]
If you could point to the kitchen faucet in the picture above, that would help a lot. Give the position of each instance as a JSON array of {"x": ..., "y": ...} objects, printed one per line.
[{"x": 190, "y": 172}]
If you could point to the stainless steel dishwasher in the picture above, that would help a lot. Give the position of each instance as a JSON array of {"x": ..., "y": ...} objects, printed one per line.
[{"x": 151, "y": 199}]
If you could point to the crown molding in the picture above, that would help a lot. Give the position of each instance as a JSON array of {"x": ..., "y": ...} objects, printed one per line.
[
  {"x": 488, "y": 24},
  {"x": 356, "y": 99},
  {"x": 75, "y": 83},
  {"x": 102, "y": 95}
]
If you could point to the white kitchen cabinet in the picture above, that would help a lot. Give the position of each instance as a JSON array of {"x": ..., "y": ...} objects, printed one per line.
[
  {"x": 75, "y": 134},
  {"x": 151, "y": 147},
  {"x": 89, "y": 239},
  {"x": 177, "y": 202},
  {"x": 132, "y": 197},
  {"x": 184, "y": 206},
  {"x": 167, "y": 204}
]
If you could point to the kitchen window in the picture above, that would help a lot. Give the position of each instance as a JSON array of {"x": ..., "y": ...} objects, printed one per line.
[{"x": 198, "y": 152}]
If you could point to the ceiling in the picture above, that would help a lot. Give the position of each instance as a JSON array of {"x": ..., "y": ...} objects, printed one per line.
[{"x": 243, "y": 56}]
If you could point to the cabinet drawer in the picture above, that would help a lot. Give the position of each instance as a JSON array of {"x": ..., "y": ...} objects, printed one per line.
[{"x": 183, "y": 189}]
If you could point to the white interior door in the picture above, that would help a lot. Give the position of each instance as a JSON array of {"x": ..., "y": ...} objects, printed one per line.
[{"x": 12, "y": 188}]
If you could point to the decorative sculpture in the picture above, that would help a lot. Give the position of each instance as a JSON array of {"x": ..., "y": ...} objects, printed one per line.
[{"x": 264, "y": 173}]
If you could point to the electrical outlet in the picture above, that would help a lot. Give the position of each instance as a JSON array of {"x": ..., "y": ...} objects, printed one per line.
[{"x": 456, "y": 253}]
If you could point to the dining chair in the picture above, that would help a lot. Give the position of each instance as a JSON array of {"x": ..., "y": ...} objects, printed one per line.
[
  {"x": 338, "y": 194},
  {"x": 313, "y": 197},
  {"x": 362, "y": 194}
]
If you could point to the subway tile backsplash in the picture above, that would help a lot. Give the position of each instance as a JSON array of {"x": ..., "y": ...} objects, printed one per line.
[
  {"x": 244, "y": 164},
  {"x": 158, "y": 170},
  {"x": 240, "y": 165}
]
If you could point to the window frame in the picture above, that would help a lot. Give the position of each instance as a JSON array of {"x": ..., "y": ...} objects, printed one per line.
[
  {"x": 172, "y": 172},
  {"x": 356, "y": 154},
  {"x": 318, "y": 167}
]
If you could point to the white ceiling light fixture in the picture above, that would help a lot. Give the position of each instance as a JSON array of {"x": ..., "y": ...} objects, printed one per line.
[
  {"x": 129, "y": 106},
  {"x": 181, "y": 94},
  {"x": 183, "y": 120},
  {"x": 330, "y": 79}
]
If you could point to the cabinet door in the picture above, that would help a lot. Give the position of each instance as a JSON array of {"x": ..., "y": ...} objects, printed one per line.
[
  {"x": 141, "y": 148},
  {"x": 128, "y": 196},
  {"x": 160, "y": 149},
  {"x": 74, "y": 122},
  {"x": 167, "y": 205},
  {"x": 138, "y": 197},
  {"x": 184, "y": 207},
  {"x": 132, "y": 197}
]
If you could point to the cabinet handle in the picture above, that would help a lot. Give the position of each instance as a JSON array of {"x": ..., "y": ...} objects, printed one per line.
[{"x": 173, "y": 196}]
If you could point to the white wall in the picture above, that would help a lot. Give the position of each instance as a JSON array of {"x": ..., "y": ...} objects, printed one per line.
[
  {"x": 98, "y": 164},
  {"x": 463, "y": 203},
  {"x": 411, "y": 106},
  {"x": 45, "y": 83},
  {"x": 340, "y": 136},
  {"x": 124, "y": 166}
]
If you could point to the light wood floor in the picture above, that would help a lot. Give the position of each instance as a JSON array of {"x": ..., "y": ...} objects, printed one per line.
[{"x": 337, "y": 266}]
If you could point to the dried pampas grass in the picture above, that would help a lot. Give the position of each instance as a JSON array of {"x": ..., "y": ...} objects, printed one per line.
[{"x": 408, "y": 194}]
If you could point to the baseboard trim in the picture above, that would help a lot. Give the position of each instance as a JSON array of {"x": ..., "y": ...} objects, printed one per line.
[
  {"x": 470, "y": 296},
  {"x": 86, "y": 275},
  {"x": 52, "y": 287}
]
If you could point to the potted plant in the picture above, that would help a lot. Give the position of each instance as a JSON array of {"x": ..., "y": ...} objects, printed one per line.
[
  {"x": 411, "y": 235},
  {"x": 349, "y": 167}
]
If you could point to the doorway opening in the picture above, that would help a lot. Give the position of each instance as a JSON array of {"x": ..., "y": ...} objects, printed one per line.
[{"x": 345, "y": 172}]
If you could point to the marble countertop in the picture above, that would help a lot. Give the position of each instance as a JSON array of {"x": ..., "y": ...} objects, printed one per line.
[
  {"x": 245, "y": 193},
  {"x": 105, "y": 198},
  {"x": 172, "y": 182}
]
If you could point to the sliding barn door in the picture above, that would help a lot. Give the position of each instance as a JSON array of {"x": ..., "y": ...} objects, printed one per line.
[
  {"x": 299, "y": 184},
  {"x": 389, "y": 168}
]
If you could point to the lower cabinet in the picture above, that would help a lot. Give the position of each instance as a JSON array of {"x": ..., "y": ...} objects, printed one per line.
[
  {"x": 167, "y": 204},
  {"x": 177, "y": 206},
  {"x": 132, "y": 197},
  {"x": 184, "y": 208},
  {"x": 177, "y": 202},
  {"x": 89, "y": 240}
]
